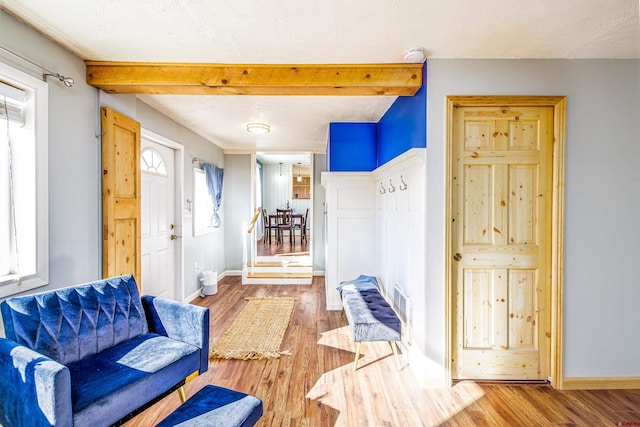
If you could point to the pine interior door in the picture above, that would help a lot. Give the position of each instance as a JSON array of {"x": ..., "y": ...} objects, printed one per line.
[
  {"x": 501, "y": 234},
  {"x": 120, "y": 195}
]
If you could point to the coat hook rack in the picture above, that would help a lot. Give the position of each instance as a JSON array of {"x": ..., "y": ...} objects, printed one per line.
[
  {"x": 392, "y": 189},
  {"x": 382, "y": 189},
  {"x": 403, "y": 185}
]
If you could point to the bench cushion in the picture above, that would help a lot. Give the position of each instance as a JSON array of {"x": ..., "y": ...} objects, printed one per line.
[
  {"x": 121, "y": 379},
  {"x": 215, "y": 406},
  {"x": 370, "y": 316}
]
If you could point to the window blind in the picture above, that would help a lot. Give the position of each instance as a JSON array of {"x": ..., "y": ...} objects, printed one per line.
[{"x": 12, "y": 102}]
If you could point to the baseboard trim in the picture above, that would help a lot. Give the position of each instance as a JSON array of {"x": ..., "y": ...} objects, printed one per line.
[
  {"x": 233, "y": 273},
  {"x": 600, "y": 383},
  {"x": 192, "y": 297},
  {"x": 318, "y": 272}
]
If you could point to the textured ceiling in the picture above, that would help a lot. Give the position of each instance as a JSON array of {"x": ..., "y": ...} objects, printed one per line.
[{"x": 331, "y": 31}]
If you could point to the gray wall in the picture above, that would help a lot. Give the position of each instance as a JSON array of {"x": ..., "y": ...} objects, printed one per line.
[
  {"x": 75, "y": 216},
  {"x": 317, "y": 234},
  {"x": 207, "y": 250},
  {"x": 75, "y": 211},
  {"x": 602, "y": 199},
  {"x": 602, "y": 180},
  {"x": 236, "y": 203}
]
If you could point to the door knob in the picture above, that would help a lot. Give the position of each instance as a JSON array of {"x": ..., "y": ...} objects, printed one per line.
[
  {"x": 174, "y": 237},
  {"x": 457, "y": 256}
]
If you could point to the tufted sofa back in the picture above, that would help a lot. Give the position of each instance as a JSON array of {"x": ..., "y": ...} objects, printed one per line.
[{"x": 71, "y": 323}]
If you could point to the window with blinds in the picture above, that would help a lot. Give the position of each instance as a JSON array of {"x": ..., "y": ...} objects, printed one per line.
[
  {"x": 12, "y": 101},
  {"x": 24, "y": 228}
]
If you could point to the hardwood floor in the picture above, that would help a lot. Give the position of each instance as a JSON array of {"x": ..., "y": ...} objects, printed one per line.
[
  {"x": 297, "y": 247},
  {"x": 316, "y": 386}
]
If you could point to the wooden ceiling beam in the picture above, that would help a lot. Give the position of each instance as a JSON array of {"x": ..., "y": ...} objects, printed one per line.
[{"x": 254, "y": 79}]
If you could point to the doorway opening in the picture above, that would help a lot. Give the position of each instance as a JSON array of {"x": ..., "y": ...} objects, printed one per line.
[
  {"x": 284, "y": 182},
  {"x": 161, "y": 219}
]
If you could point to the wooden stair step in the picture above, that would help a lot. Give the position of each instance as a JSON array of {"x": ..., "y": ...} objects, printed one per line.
[
  {"x": 275, "y": 275},
  {"x": 280, "y": 265}
]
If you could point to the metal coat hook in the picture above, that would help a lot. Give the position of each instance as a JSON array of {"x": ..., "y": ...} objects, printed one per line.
[
  {"x": 402, "y": 186},
  {"x": 392, "y": 189},
  {"x": 382, "y": 189}
]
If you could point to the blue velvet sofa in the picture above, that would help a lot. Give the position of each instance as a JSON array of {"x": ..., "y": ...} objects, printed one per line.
[{"x": 92, "y": 354}]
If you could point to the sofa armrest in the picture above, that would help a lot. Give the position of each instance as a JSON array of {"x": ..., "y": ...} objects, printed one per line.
[
  {"x": 183, "y": 322},
  {"x": 35, "y": 391}
]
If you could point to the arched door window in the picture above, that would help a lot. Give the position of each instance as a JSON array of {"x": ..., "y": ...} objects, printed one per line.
[{"x": 151, "y": 162}]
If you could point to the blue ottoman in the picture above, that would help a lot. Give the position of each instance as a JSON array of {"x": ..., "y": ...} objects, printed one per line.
[{"x": 215, "y": 406}]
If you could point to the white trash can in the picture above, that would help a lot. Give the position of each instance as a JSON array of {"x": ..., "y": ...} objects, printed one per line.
[{"x": 209, "y": 281}]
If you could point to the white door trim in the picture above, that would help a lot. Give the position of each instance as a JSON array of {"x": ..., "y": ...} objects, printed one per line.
[
  {"x": 254, "y": 206},
  {"x": 557, "y": 239},
  {"x": 178, "y": 197}
]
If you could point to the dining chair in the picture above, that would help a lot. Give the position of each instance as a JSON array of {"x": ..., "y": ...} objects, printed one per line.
[
  {"x": 285, "y": 223},
  {"x": 305, "y": 221},
  {"x": 267, "y": 227},
  {"x": 302, "y": 225}
]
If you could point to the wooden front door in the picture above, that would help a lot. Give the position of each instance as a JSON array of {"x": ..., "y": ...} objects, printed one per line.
[
  {"x": 120, "y": 195},
  {"x": 501, "y": 200}
]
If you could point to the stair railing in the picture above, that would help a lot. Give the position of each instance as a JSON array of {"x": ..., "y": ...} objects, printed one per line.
[{"x": 250, "y": 235}]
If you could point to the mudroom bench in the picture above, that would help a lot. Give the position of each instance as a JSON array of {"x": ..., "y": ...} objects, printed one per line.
[{"x": 370, "y": 316}]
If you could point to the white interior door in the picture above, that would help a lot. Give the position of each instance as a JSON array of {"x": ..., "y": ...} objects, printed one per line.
[{"x": 158, "y": 222}]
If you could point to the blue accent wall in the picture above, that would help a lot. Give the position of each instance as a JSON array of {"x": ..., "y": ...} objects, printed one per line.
[
  {"x": 362, "y": 147},
  {"x": 404, "y": 125},
  {"x": 352, "y": 147}
]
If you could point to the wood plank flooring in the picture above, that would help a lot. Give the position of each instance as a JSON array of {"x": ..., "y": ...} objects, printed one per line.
[
  {"x": 316, "y": 386},
  {"x": 297, "y": 247}
]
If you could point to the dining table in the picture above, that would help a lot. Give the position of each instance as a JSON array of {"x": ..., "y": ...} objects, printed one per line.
[{"x": 296, "y": 221}]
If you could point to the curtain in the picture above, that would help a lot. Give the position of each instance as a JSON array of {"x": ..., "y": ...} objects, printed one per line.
[{"x": 214, "y": 177}]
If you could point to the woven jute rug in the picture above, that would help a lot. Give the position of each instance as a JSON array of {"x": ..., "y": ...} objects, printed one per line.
[{"x": 257, "y": 331}]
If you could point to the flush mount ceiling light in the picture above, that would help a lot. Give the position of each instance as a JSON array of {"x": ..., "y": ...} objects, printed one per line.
[
  {"x": 258, "y": 128},
  {"x": 414, "y": 55}
]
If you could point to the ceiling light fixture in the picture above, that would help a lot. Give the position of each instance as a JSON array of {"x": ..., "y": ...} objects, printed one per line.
[
  {"x": 299, "y": 179},
  {"x": 280, "y": 177},
  {"x": 258, "y": 128}
]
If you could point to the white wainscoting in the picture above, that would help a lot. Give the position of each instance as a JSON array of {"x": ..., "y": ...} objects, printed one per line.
[
  {"x": 375, "y": 225},
  {"x": 349, "y": 228}
]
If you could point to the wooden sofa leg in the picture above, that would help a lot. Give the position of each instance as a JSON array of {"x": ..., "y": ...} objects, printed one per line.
[{"x": 355, "y": 363}]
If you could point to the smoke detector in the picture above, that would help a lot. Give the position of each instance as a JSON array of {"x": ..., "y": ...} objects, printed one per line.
[{"x": 415, "y": 54}]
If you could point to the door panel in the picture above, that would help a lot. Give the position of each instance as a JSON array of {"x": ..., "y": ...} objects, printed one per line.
[
  {"x": 120, "y": 195},
  {"x": 501, "y": 207},
  {"x": 158, "y": 219}
]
